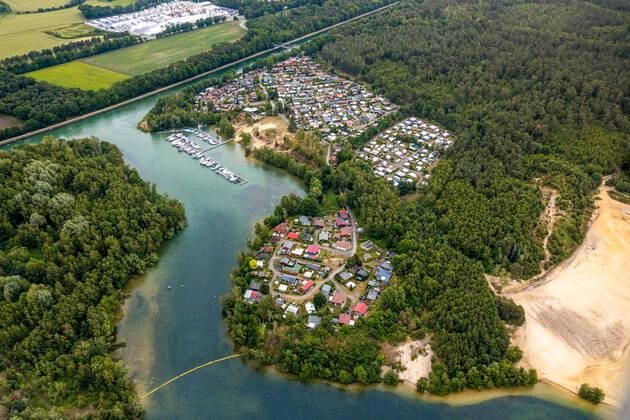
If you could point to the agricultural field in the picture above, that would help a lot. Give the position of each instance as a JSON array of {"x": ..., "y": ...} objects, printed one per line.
[
  {"x": 30, "y": 5},
  {"x": 20, "y": 34},
  {"x": 73, "y": 31},
  {"x": 160, "y": 53},
  {"x": 77, "y": 74}
]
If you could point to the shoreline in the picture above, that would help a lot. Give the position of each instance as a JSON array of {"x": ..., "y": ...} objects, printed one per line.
[
  {"x": 543, "y": 390},
  {"x": 567, "y": 337}
]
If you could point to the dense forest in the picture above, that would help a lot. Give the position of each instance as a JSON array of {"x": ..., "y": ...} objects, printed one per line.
[
  {"x": 536, "y": 94},
  {"x": 75, "y": 225},
  {"x": 39, "y": 104},
  {"x": 533, "y": 91},
  {"x": 256, "y": 8}
]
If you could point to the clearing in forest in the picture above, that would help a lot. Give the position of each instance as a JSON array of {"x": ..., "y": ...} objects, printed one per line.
[
  {"x": 577, "y": 328},
  {"x": 268, "y": 132}
]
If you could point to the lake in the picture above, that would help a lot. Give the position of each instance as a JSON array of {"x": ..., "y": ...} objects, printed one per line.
[{"x": 168, "y": 331}]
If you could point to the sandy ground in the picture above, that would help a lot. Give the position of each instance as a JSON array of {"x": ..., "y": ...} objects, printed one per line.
[
  {"x": 271, "y": 132},
  {"x": 415, "y": 357},
  {"x": 578, "y": 316},
  {"x": 8, "y": 121}
]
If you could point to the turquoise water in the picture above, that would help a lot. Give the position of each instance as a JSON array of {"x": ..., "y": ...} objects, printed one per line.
[{"x": 170, "y": 331}]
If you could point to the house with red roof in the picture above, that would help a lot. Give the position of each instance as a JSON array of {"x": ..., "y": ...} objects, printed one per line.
[
  {"x": 360, "y": 308},
  {"x": 346, "y": 232},
  {"x": 346, "y": 319},
  {"x": 343, "y": 245},
  {"x": 338, "y": 298},
  {"x": 343, "y": 213},
  {"x": 293, "y": 236},
  {"x": 281, "y": 229},
  {"x": 318, "y": 223},
  {"x": 312, "y": 250},
  {"x": 307, "y": 285},
  {"x": 340, "y": 222}
]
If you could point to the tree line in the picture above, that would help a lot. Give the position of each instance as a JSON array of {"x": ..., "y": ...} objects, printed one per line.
[
  {"x": 189, "y": 26},
  {"x": 71, "y": 3},
  {"x": 76, "y": 224},
  {"x": 254, "y": 8},
  {"x": 96, "y": 12},
  {"x": 35, "y": 60}
]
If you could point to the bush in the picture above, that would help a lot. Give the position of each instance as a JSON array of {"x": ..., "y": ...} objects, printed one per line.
[
  {"x": 510, "y": 312},
  {"x": 422, "y": 385},
  {"x": 391, "y": 378},
  {"x": 591, "y": 393}
]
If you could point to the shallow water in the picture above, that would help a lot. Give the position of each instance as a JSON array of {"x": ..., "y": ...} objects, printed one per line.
[{"x": 170, "y": 331}]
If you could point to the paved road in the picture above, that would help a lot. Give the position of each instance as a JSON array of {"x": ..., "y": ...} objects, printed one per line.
[{"x": 331, "y": 276}]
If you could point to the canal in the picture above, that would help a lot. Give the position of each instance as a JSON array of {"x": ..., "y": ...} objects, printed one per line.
[{"x": 168, "y": 331}]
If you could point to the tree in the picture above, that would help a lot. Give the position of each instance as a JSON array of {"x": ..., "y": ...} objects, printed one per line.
[
  {"x": 591, "y": 393},
  {"x": 421, "y": 385},
  {"x": 319, "y": 300},
  {"x": 510, "y": 312},
  {"x": 391, "y": 378}
]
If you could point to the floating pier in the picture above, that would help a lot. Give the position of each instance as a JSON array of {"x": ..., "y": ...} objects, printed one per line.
[{"x": 183, "y": 144}]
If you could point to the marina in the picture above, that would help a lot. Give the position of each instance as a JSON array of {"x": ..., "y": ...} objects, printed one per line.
[{"x": 184, "y": 144}]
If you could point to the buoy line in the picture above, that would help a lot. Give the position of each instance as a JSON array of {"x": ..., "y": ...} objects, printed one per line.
[{"x": 181, "y": 375}]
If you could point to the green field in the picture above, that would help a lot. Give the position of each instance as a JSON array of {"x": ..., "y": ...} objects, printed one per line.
[
  {"x": 160, "y": 53},
  {"x": 73, "y": 31},
  {"x": 30, "y": 5},
  {"x": 77, "y": 74},
  {"x": 20, "y": 34}
]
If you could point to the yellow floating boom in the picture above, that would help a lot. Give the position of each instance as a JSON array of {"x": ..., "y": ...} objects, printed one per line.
[{"x": 233, "y": 356}]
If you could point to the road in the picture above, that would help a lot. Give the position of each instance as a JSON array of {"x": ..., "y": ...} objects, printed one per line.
[
  {"x": 331, "y": 276},
  {"x": 188, "y": 80}
]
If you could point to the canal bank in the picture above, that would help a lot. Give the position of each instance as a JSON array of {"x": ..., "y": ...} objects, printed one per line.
[{"x": 170, "y": 331}]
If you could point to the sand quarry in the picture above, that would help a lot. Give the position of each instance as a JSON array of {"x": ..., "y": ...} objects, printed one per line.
[{"x": 577, "y": 327}]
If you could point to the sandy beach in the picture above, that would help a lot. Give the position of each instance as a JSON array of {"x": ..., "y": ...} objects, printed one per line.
[
  {"x": 415, "y": 357},
  {"x": 577, "y": 326}
]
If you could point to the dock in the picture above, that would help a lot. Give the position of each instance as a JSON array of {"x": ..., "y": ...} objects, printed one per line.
[{"x": 183, "y": 144}]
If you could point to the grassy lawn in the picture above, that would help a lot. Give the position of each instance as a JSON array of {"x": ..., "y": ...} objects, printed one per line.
[
  {"x": 20, "y": 34},
  {"x": 160, "y": 53},
  {"x": 78, "y": 75},
  {"x": 30, "y": 5}
]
